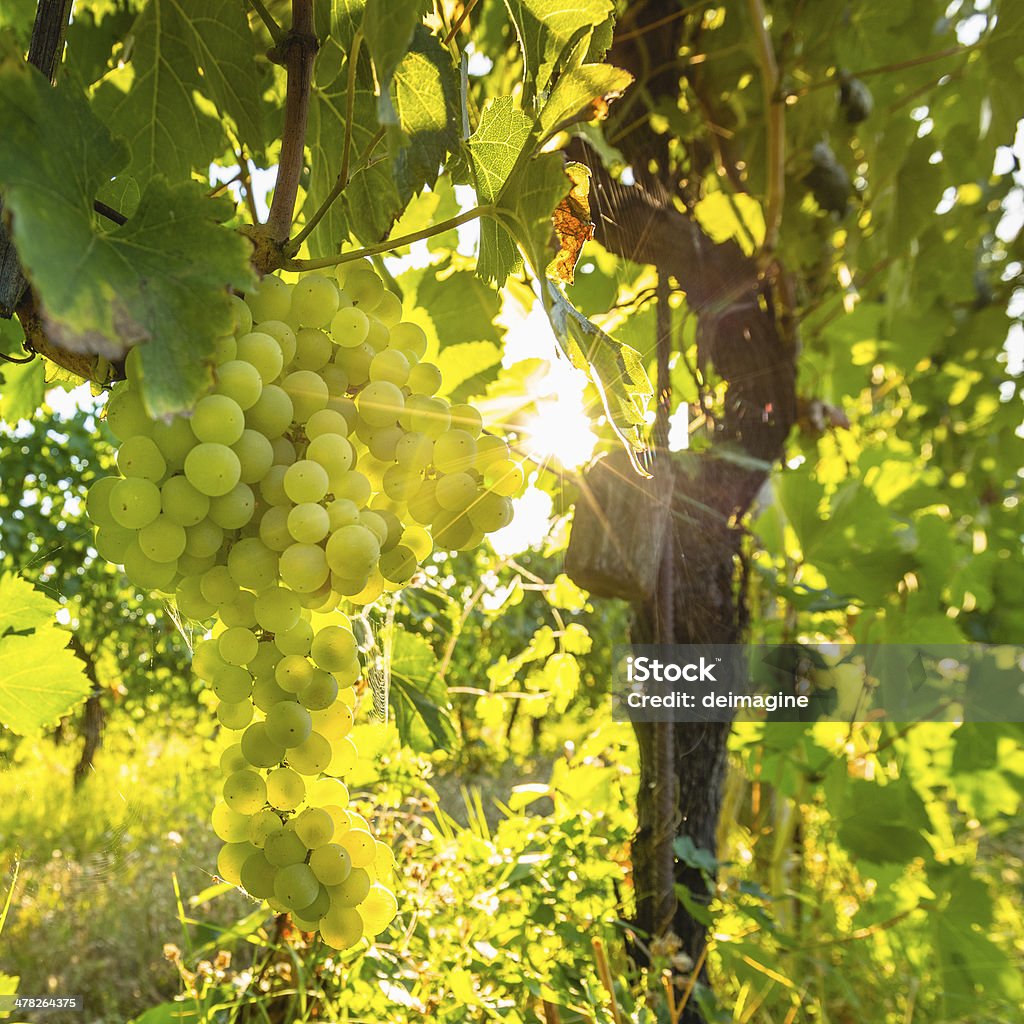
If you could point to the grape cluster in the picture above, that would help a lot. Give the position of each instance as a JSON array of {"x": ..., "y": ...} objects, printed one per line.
[{"x": 320, "y": 468}]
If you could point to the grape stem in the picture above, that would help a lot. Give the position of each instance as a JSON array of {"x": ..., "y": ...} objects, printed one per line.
[
  {"x": 298, "y": 49},
  {"x": 275, "y": 30},
  {"x": 391, "y": 243}
]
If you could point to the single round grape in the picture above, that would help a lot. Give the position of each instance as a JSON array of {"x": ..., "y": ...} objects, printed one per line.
[
  {"x": 232, "y": 683},
  {"x": 320, "y": 692},
  {"x": 375, "y": 523},
  {"x": 332, "y": 647},
  {"x": 355, "y": 487},
  {"x": 271, "y": 299},
  {"x": 326, "y": 791},
  {"x": 240, "y": 381},
  {"x": 456, "y": 491},
  {"x": 383, "y": 442},
  {"x": 325, "y": 421},
  {"x": 273, "y": 529},
  {"x": 364, "y": 288},
  {"x": 134, "y": 503},
  {"x": 454, "y": 451},
  {"x": 378, "y": 910},
  {"x": 311, "y": 756},
  {"x": 229, "y": 825},
  {"x": 126, "y": 414},
  {"x": 283, "y": 335},
  {"x": 233, "y": 510},
  {"x": 272, "y": 413},
  {"x": 218, "y": 420},
  {"x": 293, "y": 673},
  {"x": 203, "y": 539},
  {"x": 237, "y": 645},
  {"x": 253, "y": 564},
  {"x": 277, "y": 609},
  {"x": 296, "y": 886},
  {"x": 272, "y": 486},
  {"x": 353, "y": 890},
  {"x": 162, "y": 540},
  {"x": 232, "y": 759},
  {"x": 307, "y": 393},
  {"x": 308, "y": 523},
  {"x": 266, "y": 692},
  {"x": 263, "y": 353},
  {"x": 206, "y": 660},
  {"x": 284, "y": 847},
  {"x": 314, "y": 300},
  {"x": 182, "y": 503},
  {"x": 259, "y": 749},
  {"x": 490, "y": 449},
  {"x": 241, "y": 611},
  {"x": 234, "y": 715},
  {"x": 213, "y": 468},
  {"x": 398, "y": 564},
  {"x": 491, "y": 512},
  {"x": 313, "y": 350},
  {"x": 467, "y": 417},
  {"x": 384, "y": 863},
  {"x": 341, "y": 928},
  {"x": 217, "y": 586},
  {"x": 306, "y": 481},
  {"x": 304, "y": 568},
  {"x": 314, "y": 827},
  {"x": 193, "y": 565},
  {"x": 288, "y": 723},
  {"x": 257, "y": 876},
  {"x": 140, "y": 457},
  {"x": 334, "y": 454},
  {"x": 344, "y": 756},
  {"x": 353, "y": 551},
  {"x": 255, "y": 456},
  {"x": 241, "y": 316},
  {"x": 504, "y": 477},
  {"x": 231, "y": 859},
  {"x": 334, "y": 721},
  {"x": 245, "y": 791},
  {"x": 408, "y": 337},
  {"x": 261, "y": 825},
  {"x": 175, "y": 440},
  {"x": 146, "y": 573},
  {"x": 380, "y": 403},
  {"x": 342, "y": 512},
  {"x": 389, "y": 309},
  {"x": 423, "y": 505},
  {"x": 285, "y": 789},
  {"x": 390, "y": 365},
  {"x": 97, "y": 503},
  {"x": 296, "y": 640},
  {"x": 349, "y": 327},
  {"x": 190, "y": 601},
  {"x": 424, "y": 379},
  {"x": 451, "y": 530},
  {"x": 224, "y": 349}
]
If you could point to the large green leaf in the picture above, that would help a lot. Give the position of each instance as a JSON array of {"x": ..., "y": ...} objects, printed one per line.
[
  {"x": 160, "y": 280},
  {"x": 418, "y": 695},
  {"x": 574, "y": 95},
  {"x": 40, "y": 679},
  {"x": 388, "y": 27}
]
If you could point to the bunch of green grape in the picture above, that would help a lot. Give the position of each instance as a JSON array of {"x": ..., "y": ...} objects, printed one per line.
[{"x": 320, "y": 468}]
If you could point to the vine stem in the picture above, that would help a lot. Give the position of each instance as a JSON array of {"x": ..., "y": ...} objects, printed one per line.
[
  {"x": 275, "y": 30},
  {"x": 774, "y": 113},
  {"x": 299, "y": 48},
  {"x": 390, "y": 243}
]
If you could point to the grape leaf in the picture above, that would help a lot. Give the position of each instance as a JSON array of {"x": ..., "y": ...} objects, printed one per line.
[
  {"x": 388, "y": 26},
  {"x": 582, "y": 94},
  {"x": 150, "y": 97},
  {"x": 573, "y": 225},
  {"x": 22, "y": 607},
  {"x": 418, "y": 695},
  {"x": 461, "y": 307},
  {"x": 160, "y": 279}
]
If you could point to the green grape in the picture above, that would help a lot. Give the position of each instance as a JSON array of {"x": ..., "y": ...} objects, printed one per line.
[
  {"x": 203, "y": 539},
  {"x": 192, "y": 565},
  {"x": 97, "y": 503},
  {"x": 255, "y": 456},
  {"x": 491, "y": 512},
  {"x": 333, "y": 647},
  {"x": 305, "y": 481},
  {"x": 312, "y": 914},
  {"x": 424, "y": 379},
  {"x": 181, "y": 503},
  {"x": 355, "y": 488},
  {"x": 341, "y": 928},
  {"x": 266, "y": 658},
  {"x": 217, "y": 586},
  {"x": 344, "y": 756},
  {"x": 240, "y": 381},
  {"x": 353, "y": 890},
  {"x": 241, "y": 611},
  {"x": 314, "y": 827},
  {"x": 313, "y": 350},
  {"x": 423, "y": 505},
  {"x": 229, "y": 825},
  {"x": 307, "y": 393},
  {"x": 175, "y": 440},
  {"x": 347, "y": 408},
  {"x": 334, "y": 455},
  {"x": 334, "y": 721},
  {"x": 467, "y": 418},
  {"x": 384, "y": 863},
  {"x": 162, "y": 540},
  {"x": 241, "y": 315},
  {"x": 414, "y": 452},
  {"x": 393, "y": 527},
  {"x": 409, "y": 337},
  {"x": 272, "y": 486},
  {"x": 231, "y": 859},
  {"x": 379, "y": 403},
  {"x": 296, "y": 886},
  {"x": 504, "y": 477},
  {"x": 252, "y": 564},
  {"x": 206, "y": 660},
  {"x": 213, "y": 468},
  {"x": 451, "y": 530},
  {"x": 266, "y": 693},
  {"x": 296, "y": 640},
  {"x": 232, "y": 683},
  {"x": 349, "y": 327},
  {"x": 245, "y": 791},
  {"x": 146, "y": 573},
  {"x": 378, "y": 335},
  {"x": 314, "y": 300},
  {"x": 134, "y": 503},
  {"x": 140, "y": 457},
  {"x": 352, "y": 551},
  {"x": 342, "y": 512},
  {"x": 356, "y": 363},
  {"x": 232, "y": 759},
  {"x": 320, "y": 692},
  {"x": 236, "y": 715},
  {"x": 303, "y": 567},
  {"x": 190, "y": 601},
  {"x": 288, "y": 723},
  {"x": 325, "y": 792},
  {"x": 326, "y": 421},
  {"x": 378, "y": 909},
  {"x": 398, "y": 565},
  {"x": 490, "y": 449},
  {"x": 218, "y": 419},
  {"x": 233, "y": 510},
  {"x": 224, "y": 349},
  {"x": 284, "y": 847},
  {"x": 383, "y": 442},
  {"x": 273, "y": 528},
  {"x": 311, "y": 756},
  {"x": 277, "y": 609},
  {"x": 456, "y": 492},
  {"x": 259, "y": 749},
  {"x": 360, "y": 846},
  {"x": 261, "y": 825},
  {"x": 389, "y": 309},
  {"x": 293, "y": 672},
  {"x": 285, "y": 789},
  {"x": 364, "y": 288},
  {"x": 272, "y": 413},
  {"x": 237, "y": 645},
  {"x": 283, "y": 335},
  {"x": 284, "y": 451},
  {"x": 308, "y": 523},
  {"x": 390, "y": 365},
  {"x": 271, "y": 299},
  {"x": 263, "y": 352},
  {"x": 257, "y": 876},
  {"x": 418, "y": 541},
  {"x": 126, "y": 415},
  {"x": 454, "y": 451}
]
